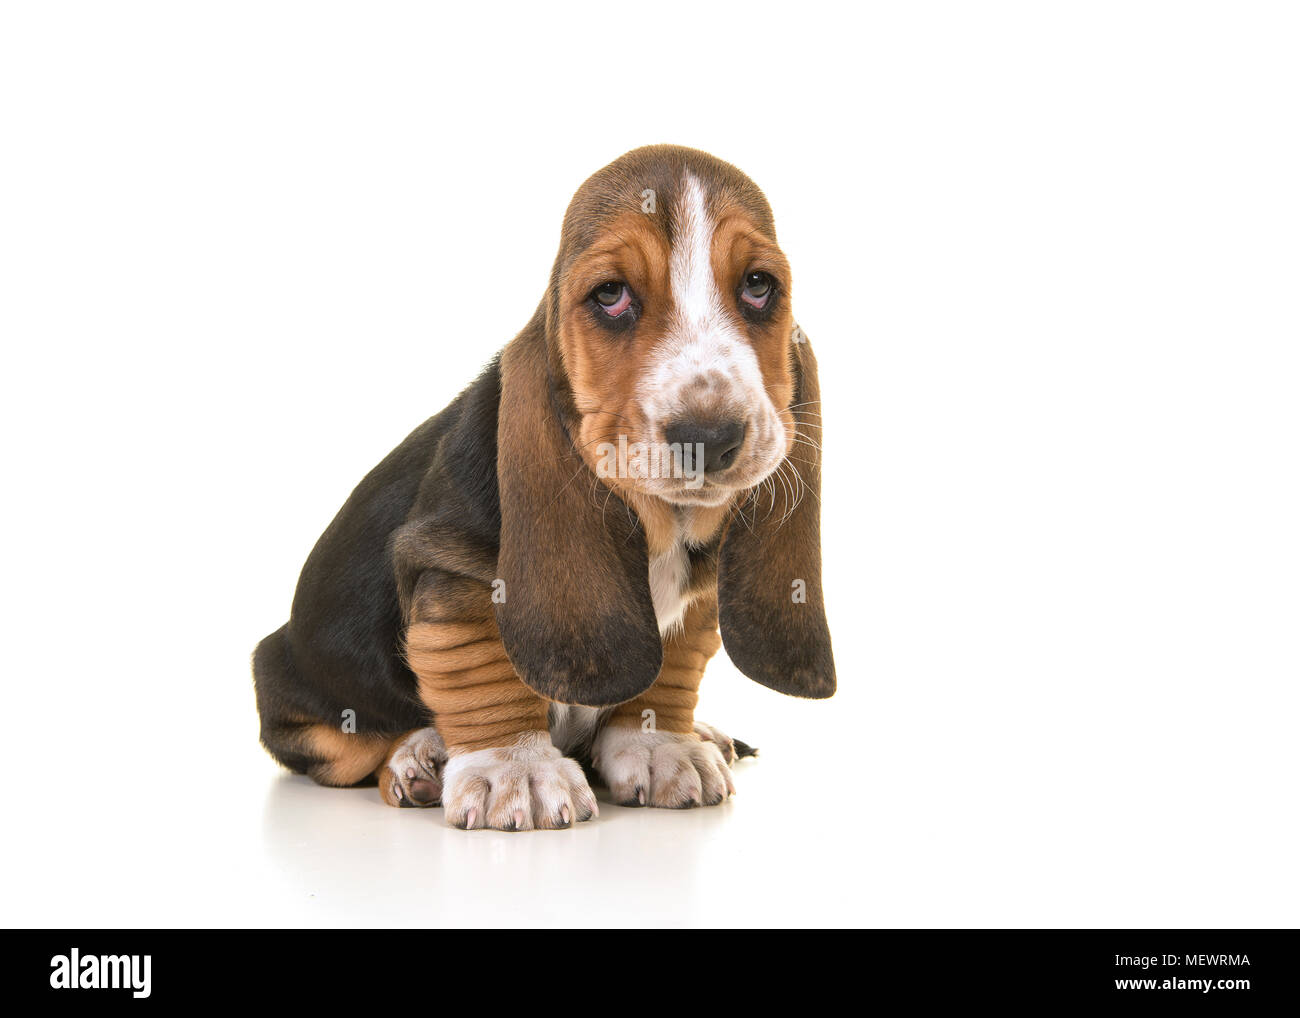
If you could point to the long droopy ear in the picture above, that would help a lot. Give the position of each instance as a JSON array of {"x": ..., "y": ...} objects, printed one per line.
[
  {"x": 575, "y": 614},
  {"x": 770, "y": 574}
]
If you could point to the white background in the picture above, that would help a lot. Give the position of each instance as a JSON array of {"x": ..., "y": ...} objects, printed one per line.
[{"x": 1047, "y": 255}]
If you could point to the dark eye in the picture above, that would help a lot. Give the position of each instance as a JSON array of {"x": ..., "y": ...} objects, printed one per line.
[
  {"x": 756, "y": 289},
  {"x": 613, "y": 297}
]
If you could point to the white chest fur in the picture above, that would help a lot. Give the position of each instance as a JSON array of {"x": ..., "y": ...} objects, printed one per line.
[{"x": 670, "y": 574}]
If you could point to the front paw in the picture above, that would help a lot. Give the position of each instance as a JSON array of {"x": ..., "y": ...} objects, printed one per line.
[
  {"x": 661, "y": 768},
  {"x": 522, "y": 787}
]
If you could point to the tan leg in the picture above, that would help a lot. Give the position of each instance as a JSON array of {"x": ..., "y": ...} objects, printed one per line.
[
  {"x": 502, "y": 770},
  {"x": 671, "y": 700},
  {"x": 650, "y": 752},
  {"x": 466, "y": 679}
]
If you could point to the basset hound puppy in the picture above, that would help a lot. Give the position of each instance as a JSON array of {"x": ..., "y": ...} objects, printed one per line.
[{"x": 537, "y": 576}]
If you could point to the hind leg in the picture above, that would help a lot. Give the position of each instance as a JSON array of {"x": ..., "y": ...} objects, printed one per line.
[
  {"x": 412, "y": 773},
  {"x": 327, "y": 754},
  {"x": 408, "y": 768}
]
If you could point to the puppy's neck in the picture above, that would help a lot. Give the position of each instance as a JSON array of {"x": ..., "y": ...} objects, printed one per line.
[
  {"x": 668, "y": 526},
  {"x": 671, "y": 532}
]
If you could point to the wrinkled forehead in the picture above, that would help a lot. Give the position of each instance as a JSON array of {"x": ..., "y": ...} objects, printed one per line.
[{"x": 664, "y": 202}]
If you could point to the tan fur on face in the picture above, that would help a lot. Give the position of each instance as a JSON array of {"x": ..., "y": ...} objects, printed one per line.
[
  {"x": 739, "y": 248},
  {"x": 605, "y": 369}
]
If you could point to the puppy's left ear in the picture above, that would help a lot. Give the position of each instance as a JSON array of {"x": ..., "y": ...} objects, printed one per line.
[{"x": 770, "y": 573}]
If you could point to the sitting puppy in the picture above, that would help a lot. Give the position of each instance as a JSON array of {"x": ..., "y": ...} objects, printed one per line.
[{"x": 537, "y": 575}]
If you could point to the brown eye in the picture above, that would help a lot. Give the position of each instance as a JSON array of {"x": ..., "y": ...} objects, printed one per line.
[
  {"x": 613, "y": 297},
  {"x": 756, "y": 289},
  {"x": 608, "y": 294}
]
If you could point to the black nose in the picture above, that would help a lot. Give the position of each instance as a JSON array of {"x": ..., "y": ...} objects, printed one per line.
[{"x": 721, "y": 441}]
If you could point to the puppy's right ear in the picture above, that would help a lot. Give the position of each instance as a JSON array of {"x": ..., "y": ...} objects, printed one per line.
[{"x": 577, "y": 620}]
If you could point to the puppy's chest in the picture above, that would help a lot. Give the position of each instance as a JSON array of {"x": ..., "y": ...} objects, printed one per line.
[
  {"x": 670, "y": 582},
  {"x": 683, "y": 563}
]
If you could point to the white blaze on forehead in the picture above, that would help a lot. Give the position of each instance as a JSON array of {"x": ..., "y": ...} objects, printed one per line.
[
  {"x": 701, "y": 343},
  {"x": 695, "y": 293}
]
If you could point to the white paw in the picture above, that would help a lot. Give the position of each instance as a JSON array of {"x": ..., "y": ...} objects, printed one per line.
[
  {"x": 413, "y": 774},
  {"x": 516, "y": 788},
  {"x": 661, "y": 768}
]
